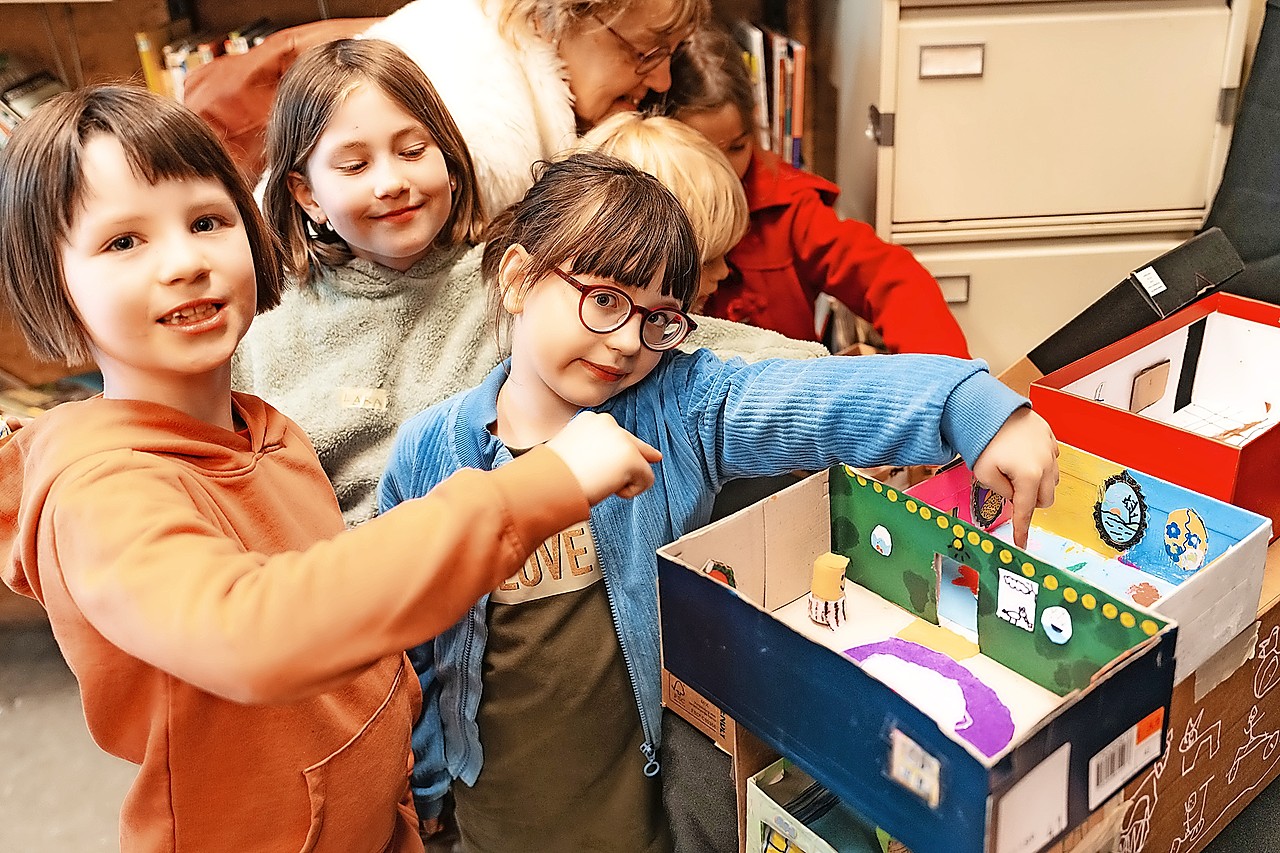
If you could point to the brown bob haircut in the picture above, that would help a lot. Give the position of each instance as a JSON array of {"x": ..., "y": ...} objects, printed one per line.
[
  {"x": 605, "y": 217},
  {"x": 42, "y": 187},
  {"x": 310, "y": 93}
]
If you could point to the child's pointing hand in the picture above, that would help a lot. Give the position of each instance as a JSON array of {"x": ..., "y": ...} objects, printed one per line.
[
  {"x": 1021, "y": 464},
  {"x": 606, "y": 459}
]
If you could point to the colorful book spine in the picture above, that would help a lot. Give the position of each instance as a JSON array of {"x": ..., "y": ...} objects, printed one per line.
[
  {"x": 799, "y": 129},
  {"x": 149, "y": 44},
  {"x": 751, "y": 39}
]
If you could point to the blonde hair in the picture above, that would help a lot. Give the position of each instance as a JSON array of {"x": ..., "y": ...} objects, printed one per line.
[
  {"x": 686, "y": 163},
  {"x": 555, "y": 18},
  {"x": 310, "y": 93}
]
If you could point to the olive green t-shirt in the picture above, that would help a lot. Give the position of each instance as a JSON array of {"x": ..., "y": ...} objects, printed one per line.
[{"x": 558, "y": 721}]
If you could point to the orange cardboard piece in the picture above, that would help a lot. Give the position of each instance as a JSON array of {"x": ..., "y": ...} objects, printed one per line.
[
  {"x": 1020, "y": 375},
  {"x": 1149, "y": 386}
]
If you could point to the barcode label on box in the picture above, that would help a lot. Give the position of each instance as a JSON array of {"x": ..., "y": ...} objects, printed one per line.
[
  {"x": 1116, "y": 763},
  {"x": 1150, "y": 281},
  {"x": 915, "y": 769}
]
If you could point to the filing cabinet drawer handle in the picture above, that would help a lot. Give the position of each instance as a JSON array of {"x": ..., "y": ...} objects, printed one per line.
[
  {"x": 955, "y": 288},
  {"x": 951, "y": 61}
]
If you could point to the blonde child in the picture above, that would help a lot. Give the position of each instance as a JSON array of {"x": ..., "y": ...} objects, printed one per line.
[
  {"x": 696, "y": 173},
  {"x": 797, "y": 248},
  {"x": 549, "y": 688},
  {"x": 373, "y": 196},
  {"x": 227, "y": 635}
]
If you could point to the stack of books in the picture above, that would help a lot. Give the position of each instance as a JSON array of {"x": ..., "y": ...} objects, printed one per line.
[
  {"x": 778, "y": 69},
  {"x": 22, "y": 89},
  {"x": 170, "y": 53}
]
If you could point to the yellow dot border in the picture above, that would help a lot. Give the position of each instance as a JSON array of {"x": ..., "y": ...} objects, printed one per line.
[{"x": 1050, "y": 582}]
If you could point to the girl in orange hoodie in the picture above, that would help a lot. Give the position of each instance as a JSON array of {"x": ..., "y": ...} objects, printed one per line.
[{"x": 228, "y": 636}]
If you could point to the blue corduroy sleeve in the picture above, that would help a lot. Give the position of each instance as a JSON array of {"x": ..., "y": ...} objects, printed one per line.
[
  {"x": 430, "y": 777},
  {"x": 776, "y": 416},
  {"x": 400, "y": 482}
]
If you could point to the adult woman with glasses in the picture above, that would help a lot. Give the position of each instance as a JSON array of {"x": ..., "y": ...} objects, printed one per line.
[{"x": 523, "y": 77}]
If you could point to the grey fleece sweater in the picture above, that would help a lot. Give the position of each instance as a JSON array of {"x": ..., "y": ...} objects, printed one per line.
[{"x": 366, "y": 347}]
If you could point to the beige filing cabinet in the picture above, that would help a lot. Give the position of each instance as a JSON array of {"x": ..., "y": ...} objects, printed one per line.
[{"x": 1032, "y": 154}]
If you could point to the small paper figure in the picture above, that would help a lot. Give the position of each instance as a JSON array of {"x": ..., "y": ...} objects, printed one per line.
[
  {"x": 826, "y": 590},
  {"x": 721, "y": 572}
]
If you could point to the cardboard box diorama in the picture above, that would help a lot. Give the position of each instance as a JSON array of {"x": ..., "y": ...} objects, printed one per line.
[
  {"x": 789, "y": 812},
  {"x": 1193, "y": 559},
  {"x": 1001, "y": 740},
  {"x": 1157, "y": 290},
  {"x": 1194, "y": 399}
]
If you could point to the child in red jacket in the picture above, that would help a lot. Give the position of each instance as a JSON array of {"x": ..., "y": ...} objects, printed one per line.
[{"x": 798, "y": 247}]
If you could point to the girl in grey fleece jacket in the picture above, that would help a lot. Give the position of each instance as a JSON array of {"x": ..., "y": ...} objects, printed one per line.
[{"x": 358, "y": 346}]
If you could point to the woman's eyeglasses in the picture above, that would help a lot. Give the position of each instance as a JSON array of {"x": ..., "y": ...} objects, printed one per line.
[
  {"x": 648, "y": 60},
  {"x": 603, "y": 309}
]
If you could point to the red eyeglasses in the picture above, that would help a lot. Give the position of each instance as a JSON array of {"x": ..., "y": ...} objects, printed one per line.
[{"x": 603, "y": 309}]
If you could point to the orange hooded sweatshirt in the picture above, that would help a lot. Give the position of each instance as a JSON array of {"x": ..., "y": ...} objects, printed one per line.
[{"x": 227, "y": 639}]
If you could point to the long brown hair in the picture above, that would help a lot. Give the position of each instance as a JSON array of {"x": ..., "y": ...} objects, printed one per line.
[
  {"x": 309, "y": 95},
  {"x": 709, "y": 73},
  {"x": 42, "y": 184}
]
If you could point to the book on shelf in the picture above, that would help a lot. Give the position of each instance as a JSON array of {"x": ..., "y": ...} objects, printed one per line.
[
  {"x": 32, "y": 92},
  {"x": 799, "y": 63},
  {"x": 777, "y": 57},
  {"x": 8, "y": 123},
  {"x": 751, "y": 40},
  {"x": 187, "y": 52},
  {"x": 249, "y": 36},
  {"x": 778, "y": 66},
  {"x": 23, "y": 87}
]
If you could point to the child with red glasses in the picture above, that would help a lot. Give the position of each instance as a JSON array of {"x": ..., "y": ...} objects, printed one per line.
[{"x": 549, "y": 699}]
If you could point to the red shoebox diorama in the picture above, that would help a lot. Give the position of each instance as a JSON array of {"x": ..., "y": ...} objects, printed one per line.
[{"x": 1193, "y": 398}]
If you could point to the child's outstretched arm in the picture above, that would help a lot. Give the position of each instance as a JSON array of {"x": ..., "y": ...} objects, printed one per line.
[
  {"x": 166, "y": 583},
  {"x": 880, "y": 281},
  {"x": 1021, "y": 464}
]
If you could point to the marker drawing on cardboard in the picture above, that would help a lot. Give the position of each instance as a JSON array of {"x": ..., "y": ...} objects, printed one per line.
[
  {"x": 1210, "y": 789},
  {"x": 1146, "y": 541}
]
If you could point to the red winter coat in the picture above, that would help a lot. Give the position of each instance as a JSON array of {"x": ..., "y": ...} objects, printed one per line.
[{"x": 797, "y": 247}]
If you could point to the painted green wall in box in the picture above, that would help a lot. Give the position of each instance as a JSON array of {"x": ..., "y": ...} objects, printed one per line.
[{"x": 892, "y": 539}]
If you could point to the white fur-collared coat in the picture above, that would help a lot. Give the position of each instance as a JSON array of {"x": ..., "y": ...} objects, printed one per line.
[{"x": 509, "y": 95}]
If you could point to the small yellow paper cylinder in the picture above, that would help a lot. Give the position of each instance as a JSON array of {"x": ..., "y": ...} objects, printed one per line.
[{"x": 828, "y": 576}]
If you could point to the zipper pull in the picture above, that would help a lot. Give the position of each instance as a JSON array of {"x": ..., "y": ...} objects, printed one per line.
[{"x": 651, "y": 766}]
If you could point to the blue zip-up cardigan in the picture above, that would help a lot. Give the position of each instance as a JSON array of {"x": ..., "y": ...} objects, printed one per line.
[{"x": 714, "y": 421}]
